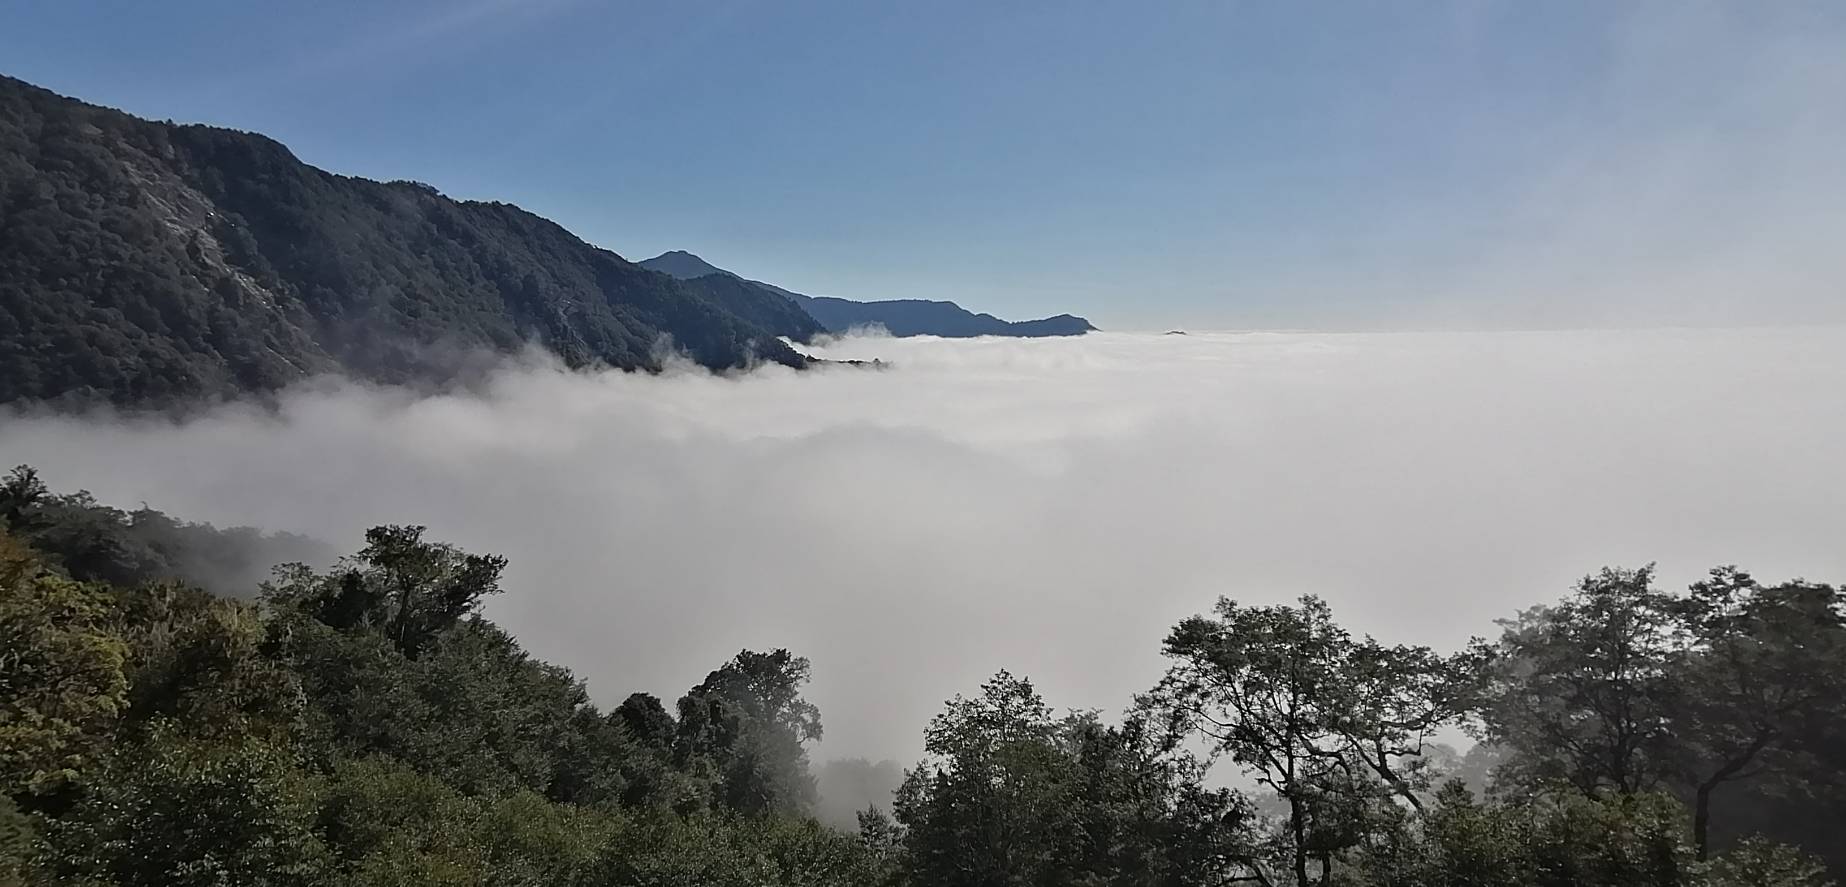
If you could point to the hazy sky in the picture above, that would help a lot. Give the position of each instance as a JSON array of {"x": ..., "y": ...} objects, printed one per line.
[
  {"x": 1146, "y": 164},
  {"x": 1046, "y": 506}
]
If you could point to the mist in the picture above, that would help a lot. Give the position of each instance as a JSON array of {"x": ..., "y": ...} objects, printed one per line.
[{"x": 1047, "y": 506}]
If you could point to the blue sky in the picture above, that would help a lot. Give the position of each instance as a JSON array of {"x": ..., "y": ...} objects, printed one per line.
[{"x": 1150, "y": 165}]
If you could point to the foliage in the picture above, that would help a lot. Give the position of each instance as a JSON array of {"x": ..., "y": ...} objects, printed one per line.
[
  {"x": 1336, "y": 727},
  {"x": 1761, "y": 667},
  {"x": 1626, "y": 688},
  {"x": 472, "y": 709},
  {"x": 367, "y": 725},
  {"x": 61, "y": 674},
  {"x": 749, "y": 721},
  {"x": 398, "y": 586},
  {"x": 1565, "y": 840},
  {"x": 1583, "y": 689},
  {"x": 1571, "y": 839},
  {"x": 395, "y": 826},
  {"x": 92, "y": 542},
  {"x": 18, "y": 843},
  {"x": 714, "y": 850},
  {"x": 1754, "y": 862},
  {"x": 203, "y": 662},
  {"x": 1012, "y": 795},
  {"x": 166, "y": 811}
]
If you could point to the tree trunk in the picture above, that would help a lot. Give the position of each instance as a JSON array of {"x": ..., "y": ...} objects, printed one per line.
[
  {"x": 1701, "y": 807},
  {"x": 1298, "y": 827},
  {"x": 1701, "y": 820}
]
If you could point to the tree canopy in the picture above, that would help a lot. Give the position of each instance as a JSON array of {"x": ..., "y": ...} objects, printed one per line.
[{"x": 364, "y": 723}]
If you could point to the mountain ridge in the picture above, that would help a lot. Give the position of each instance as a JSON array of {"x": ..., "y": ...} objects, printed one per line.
[
  {"x": 148, "y": 263},
  {"x": 899, "y": 317}
]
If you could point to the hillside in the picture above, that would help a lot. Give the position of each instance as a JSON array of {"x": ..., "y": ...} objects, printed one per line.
[
  {"x": 747, "y": 301},
  {"x": 899, "y": 317},
  {"x": 146, "y": 263}
]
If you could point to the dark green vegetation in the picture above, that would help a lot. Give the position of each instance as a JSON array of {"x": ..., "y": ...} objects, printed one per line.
[
  {"x": 96, "y": 543},
  {"x": 146, "y": 263},
  {"x": 899, "y": 317},
  {"x": 364, "y": 725}
]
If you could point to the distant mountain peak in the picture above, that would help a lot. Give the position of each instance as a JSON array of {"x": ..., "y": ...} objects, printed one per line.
[
  {"x": 681, "y": 264},
  {"x": 899, "y": 317}
]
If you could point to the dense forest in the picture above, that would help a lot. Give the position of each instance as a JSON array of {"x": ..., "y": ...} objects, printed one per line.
[
  {"x": 146, "y": 263},
  {"x": 361, "y": 723}
]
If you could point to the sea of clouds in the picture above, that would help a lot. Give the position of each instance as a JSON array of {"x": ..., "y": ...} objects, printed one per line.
[{"x": 1047, "y": 506}]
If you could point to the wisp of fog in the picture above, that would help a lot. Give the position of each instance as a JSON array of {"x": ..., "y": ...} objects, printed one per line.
[{"x": 1047, "y": 506}]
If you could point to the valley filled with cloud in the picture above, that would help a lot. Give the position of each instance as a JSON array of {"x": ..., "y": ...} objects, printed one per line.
[{"x": 1047, "y": 506}]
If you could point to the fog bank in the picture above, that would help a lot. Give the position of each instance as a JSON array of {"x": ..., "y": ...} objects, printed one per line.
[{"x": 1047, "y": 506}]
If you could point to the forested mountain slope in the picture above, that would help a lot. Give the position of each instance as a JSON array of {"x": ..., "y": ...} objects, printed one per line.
[
  {"x": 144, "y": 263},
  {"x": 899, "y": 317}
]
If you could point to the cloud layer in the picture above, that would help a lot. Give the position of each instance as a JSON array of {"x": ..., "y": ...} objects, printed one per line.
[{"x": 1047, "y": 506}]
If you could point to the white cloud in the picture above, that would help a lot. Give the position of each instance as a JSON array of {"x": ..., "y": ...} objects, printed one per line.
[{"x": 1048, "y": 506}]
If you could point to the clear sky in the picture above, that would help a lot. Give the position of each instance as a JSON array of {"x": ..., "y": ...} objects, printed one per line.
[{"x": 1145, "y": 164}]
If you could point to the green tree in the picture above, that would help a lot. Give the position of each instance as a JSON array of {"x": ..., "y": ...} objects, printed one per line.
[
  {"x": 1759, "y": 663},
  {"x": 19, "y": 845},
  {"x": 1584, "y": 691},
  {"x": 399, "y": 585},
  {"x": 178, "y": 813},
  {"x": 749, "y": 720},
  {"x": 1621, "y": 687},
  {"x": 1012, "y": 795},
  {"x": 394, "y": 826},
  {"x": 1755, "y": 862},
  {"x": 1336, "y": 727},
  {"x": 989, "y": 809},
  {"x": 92, "y": 542},
  {"x": 1562, "y": 839},
  {"x": 61, "y": 674},
  {"x": 712, "y": 850},
  {"x": 202, "y": 662},
  {"x": 20, "y": 492}
]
